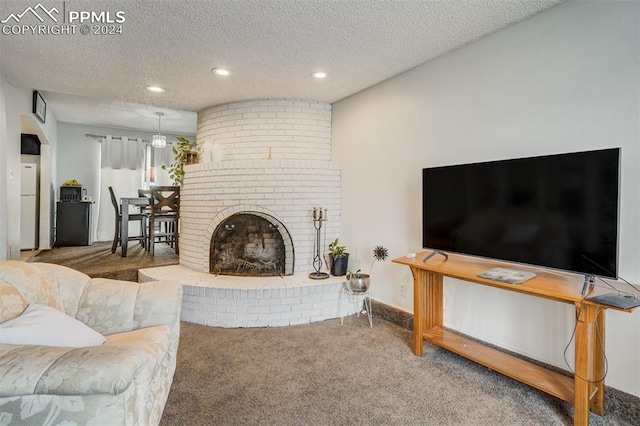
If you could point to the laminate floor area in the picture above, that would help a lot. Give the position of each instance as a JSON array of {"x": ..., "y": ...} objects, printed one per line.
[{"x": 97, "y": 261}]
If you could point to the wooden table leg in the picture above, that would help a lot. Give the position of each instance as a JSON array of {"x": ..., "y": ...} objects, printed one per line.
[
  {"x": 434, "y": 301},
  {"x": 597, "y": 403},
  {"x": 124, "y": 228},
  {"x": 419, "y": 307},
  {"x": 427, "y": 305},
  {"x": 586, "y": 347}
]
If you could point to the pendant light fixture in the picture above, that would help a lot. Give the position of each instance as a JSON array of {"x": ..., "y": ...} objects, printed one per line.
[{"x": 159, "y": 140}]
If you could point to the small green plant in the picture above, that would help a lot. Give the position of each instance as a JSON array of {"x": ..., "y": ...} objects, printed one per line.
[
  {"x": 355, "y": 275},
  {"x": 336, "y": 249},
  {"x": 180, "y": 151}
]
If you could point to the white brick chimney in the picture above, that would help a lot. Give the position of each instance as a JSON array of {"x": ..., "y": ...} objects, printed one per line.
[{"x": 276, "y": 161}]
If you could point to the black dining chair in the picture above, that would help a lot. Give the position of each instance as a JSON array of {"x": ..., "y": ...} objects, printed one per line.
[
  {"x": 145, "y": 193},
  {"x": 133, "y": 217},
  {"x": 164, "y": 217}
]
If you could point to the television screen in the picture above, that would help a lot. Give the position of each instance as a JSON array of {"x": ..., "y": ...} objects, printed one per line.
[{"x": 556, "y": 211}]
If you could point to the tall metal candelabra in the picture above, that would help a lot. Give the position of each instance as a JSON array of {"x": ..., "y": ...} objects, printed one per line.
[{"x": 319, "y": 216}]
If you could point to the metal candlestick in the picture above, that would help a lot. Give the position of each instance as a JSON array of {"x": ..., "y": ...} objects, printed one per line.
[{"x": 319, "y": 216}]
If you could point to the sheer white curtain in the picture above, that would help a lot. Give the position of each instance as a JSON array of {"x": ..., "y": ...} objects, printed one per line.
[
  {"x": 122, "y": 168},
  {"x": 162, "y": 157}
]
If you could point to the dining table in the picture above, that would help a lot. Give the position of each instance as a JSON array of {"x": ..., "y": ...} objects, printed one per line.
[{"x": 125, "y": 202}]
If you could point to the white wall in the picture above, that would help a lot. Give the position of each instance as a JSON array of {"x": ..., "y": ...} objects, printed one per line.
[
  {"x": 19, "y": 119},
  {"x": 565, "y": 80},
  {"x": 16, "y": 102},
  {"x": 3, "y": 174}
]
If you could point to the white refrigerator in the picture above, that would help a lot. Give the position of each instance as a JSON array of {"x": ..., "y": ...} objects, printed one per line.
[{"x": 28, "y": 206}]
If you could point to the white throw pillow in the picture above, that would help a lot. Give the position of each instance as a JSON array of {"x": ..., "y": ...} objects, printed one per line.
[{"x": 47, "y": 326}]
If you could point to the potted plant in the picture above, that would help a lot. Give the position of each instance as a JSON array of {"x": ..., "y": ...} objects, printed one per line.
[
  {"x": 357, "y": 281},
  {"x": 338, "y": 259},
  {"x": 183, "y": 154}
]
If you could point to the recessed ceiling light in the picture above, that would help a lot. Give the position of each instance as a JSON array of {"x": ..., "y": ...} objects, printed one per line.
[
  {"x": 319, "y": 74},
  {"x": 155, "y": 89},
  {"x": 221, "y": 71}
]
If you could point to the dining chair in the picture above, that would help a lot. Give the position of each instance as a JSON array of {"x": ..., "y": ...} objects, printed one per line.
[
  {"x": 146, "y": 193},
  {"x": 164, "y": 217},
  {"x": 133, "y": 217}
]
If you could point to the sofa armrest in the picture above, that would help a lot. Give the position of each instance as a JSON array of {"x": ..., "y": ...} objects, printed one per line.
[
  {"x": 158, "y": 303},
  {"x": 31, "y": 370},
  {"x": 112, "y": 306},
  {"x": 108, "y": 369}
]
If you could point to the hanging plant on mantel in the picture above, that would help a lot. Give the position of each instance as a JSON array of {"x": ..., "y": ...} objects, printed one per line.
[{"x": 183, "y": 154}]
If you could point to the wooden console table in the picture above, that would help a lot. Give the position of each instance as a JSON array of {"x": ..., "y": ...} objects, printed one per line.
[{"x": 582, "y": 390}]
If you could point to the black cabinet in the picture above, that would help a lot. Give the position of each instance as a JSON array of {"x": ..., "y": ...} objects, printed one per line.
[{"x": 73, "y": 224}]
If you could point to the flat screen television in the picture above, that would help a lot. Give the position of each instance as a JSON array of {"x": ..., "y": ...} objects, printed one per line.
[{"x": 555, "y": 211}]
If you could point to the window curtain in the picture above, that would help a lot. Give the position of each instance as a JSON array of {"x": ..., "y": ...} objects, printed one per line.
[
  {"x": 122, "y": 168},
  {"x": 162, "y": 157}
]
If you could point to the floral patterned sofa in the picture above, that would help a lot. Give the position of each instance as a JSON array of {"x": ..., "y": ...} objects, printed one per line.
[{"x": 123, "y": 381}]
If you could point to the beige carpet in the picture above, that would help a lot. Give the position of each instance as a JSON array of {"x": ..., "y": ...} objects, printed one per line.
[
  {"x": 97, "y": 261},
  {"x": 328, "y": 374}
]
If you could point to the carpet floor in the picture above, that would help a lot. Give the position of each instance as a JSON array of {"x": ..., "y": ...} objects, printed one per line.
[
  {"x": 97, "y": 261},
  {"x": 327, "y": 374}
]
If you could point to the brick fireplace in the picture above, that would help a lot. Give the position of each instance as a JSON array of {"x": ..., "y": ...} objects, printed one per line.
[
  {"x": 274, "y": 162},
  {"x": 272, "y": 166}
]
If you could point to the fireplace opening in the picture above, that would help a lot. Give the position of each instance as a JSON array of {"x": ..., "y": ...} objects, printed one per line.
[{"x": 251, "y": 244}]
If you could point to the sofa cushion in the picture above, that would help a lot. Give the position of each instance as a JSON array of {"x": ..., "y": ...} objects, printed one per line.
[
  {"x": 45, "y": 326},
  {"x": 12, "y": 303},
  {"x": 32, "y": 283},
  {"x": 69, "y": 283},
  {"x": 108, "y": 306},
  {"x": 107, "y": 369}
]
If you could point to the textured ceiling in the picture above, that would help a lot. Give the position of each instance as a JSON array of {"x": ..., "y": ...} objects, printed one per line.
[{"x": 272, "y": 46}]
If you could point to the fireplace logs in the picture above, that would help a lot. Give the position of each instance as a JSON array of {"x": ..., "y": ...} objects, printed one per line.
[{"x": 247, "y": 244}]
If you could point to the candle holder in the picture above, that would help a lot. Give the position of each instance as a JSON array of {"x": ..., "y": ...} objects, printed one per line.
[{"x": 319, "y": 216}]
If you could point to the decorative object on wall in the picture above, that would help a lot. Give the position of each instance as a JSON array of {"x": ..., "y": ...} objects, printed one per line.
[
  {"x": 39, "y": 106},
  {"x": 192, "y": 157},
  {"x": 216, "y": 152},
  {"x": 182, "y": 152},
  {"x": 319, "y": 216},
  {"x": 211, "y": 151},
  {"x": 206, "y": 153},
  {"x": 380, "y": 254},
  {"x": 159, "y": 140}
]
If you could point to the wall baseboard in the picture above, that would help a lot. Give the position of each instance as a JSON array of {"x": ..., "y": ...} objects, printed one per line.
[
  {"x": 615, "y": 399},
  {"x": 392, "y": 314}
]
